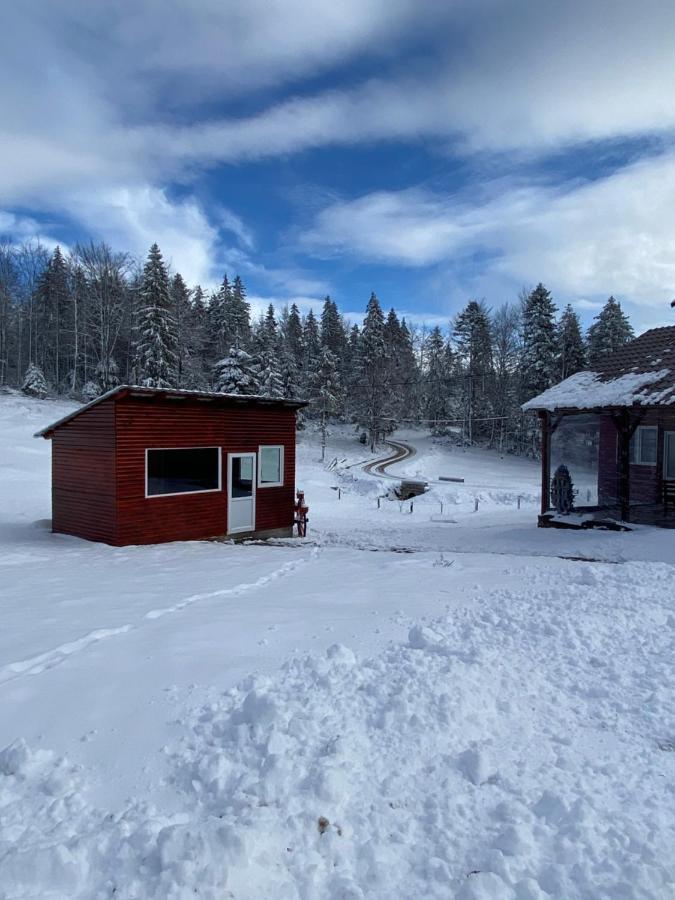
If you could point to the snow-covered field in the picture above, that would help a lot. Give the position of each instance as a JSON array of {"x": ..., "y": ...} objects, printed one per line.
[{"x": 433, "y": 703}]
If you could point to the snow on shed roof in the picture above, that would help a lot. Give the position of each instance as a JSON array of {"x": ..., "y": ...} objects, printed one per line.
[
  {"x": 642, "y": 373},
  {"x": 175, "y": 393}
]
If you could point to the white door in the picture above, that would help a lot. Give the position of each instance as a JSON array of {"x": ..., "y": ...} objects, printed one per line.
[
  {"x": 669, "y": 456},
  {"x": 240, "y": 492}
]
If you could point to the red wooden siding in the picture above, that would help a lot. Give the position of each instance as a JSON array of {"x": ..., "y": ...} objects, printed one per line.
[
  {"x": 142, "y": 424},
  {"x": 83, "y": 475},
  {"x": 98, "y": 468},
  {"x": 645, "y": 481}
]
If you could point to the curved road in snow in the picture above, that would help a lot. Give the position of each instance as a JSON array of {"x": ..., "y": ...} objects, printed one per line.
[{"x": 401, "y": 452}]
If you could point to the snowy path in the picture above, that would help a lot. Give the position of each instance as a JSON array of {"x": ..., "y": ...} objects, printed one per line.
[
  {"x": 47, "y": 660},
  {"x": 402, "y": 452}
]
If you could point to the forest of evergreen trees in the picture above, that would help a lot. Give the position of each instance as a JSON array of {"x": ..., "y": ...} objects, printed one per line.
[{"x": 79, "y": 325}]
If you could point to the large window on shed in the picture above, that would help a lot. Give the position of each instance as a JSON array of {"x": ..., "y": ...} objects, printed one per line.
[
  {"x": 271, "y": 466},
  {"x": 643, "y": 445},
  {"x": 182, "y": 471}
]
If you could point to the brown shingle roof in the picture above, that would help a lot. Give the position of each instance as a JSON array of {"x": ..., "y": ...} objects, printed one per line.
[{"x": 621, "y": 378}]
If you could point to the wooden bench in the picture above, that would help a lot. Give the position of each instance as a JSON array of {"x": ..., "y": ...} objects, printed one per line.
[{"x": 668, "y": 493}]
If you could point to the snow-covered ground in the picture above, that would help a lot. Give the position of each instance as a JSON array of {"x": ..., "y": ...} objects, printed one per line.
[{"x": 433, "y": 703}]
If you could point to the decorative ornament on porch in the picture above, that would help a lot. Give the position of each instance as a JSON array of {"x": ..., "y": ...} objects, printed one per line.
[{"x": 562, "y": 491}]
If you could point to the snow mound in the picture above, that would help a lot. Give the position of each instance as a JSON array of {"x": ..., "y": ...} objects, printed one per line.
[{"x": 508, "y": 750}]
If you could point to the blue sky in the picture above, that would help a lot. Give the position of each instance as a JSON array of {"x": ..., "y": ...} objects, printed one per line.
[{"x": 430, "y": 151}]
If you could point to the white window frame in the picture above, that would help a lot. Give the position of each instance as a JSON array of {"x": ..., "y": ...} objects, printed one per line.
[
  {"x": 185, "y": 493},
  {"x": 266, "y": 484},
  {"x": 637, "y": 436},
  {"x": 667, "y": 436}
]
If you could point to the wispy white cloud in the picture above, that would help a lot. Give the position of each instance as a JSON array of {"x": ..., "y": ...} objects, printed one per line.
[{"x": 613, "y": 235}]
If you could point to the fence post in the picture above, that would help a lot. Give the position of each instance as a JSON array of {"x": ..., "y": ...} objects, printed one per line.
[
  {"x": 518, "y": 501},
  {"x": 475, "y": 504}
]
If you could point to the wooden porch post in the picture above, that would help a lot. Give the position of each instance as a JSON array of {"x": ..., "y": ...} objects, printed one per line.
[
  {"x": 544, "y": 421},
  {"x": 622, "y": 422}
]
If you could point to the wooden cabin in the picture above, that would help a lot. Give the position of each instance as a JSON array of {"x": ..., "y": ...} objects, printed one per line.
[
  {"x": 144, "y": 465},
  {"x": 614, "y": 429}
]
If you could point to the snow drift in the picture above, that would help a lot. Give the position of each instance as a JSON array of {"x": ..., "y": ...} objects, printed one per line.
[{"x": 514, "y": 749}]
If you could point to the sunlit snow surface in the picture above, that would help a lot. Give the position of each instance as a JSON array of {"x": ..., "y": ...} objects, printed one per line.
[{"x": 471, "y": 714}]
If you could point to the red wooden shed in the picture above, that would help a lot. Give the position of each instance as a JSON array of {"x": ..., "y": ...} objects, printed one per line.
[{"x": 145, "y": 465}]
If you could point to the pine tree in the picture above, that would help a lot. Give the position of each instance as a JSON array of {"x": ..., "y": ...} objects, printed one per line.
[
  {"x": 182, "y": 315},
  {"x": 473, "y": 339},
  {"x": 325, "y": 390},
  {"x": 235, "y": 373},
  {"x": 438, "y": 363},
  {"x": 34, "y": 383},
  {"x": 539, "y": 356},
  {"x": 373, "y": 394},
  {"x": 53, "y": 306},
  {"x": 267, "y": 337},
  {"x": 610, "y": 330},
  {"x": 156, "y": 357},
  {"x": 239, "y": 315},
  {"x": 292, "y": 335},
  {"x": 506, "y": 329},
  {"x": 220, "y": 337},
  {"x": 269, "y": 376},
  {"x": 332, "y": 329},
  {"x": 311, "y": 345},
  {"x": 571, "y": 349}
]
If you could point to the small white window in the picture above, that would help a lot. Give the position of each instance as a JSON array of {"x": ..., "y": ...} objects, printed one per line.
[
  {"x": 271, "y": 466},
  {"x": 643, "y": 445}
]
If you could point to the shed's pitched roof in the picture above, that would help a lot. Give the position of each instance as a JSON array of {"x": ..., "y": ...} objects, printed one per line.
[
  {"x": 641, "y": 373},
  {"x": 174, "y": 394}
]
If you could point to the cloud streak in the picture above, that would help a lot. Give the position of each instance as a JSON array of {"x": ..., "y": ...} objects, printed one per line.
[{"x": 587, "y": 239}]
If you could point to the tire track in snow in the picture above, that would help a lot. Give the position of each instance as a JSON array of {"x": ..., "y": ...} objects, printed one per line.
[{"x": 35, "y": 665}]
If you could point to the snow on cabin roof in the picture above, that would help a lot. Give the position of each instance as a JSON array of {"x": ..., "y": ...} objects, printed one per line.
[
  {"x": 171, "y": 393},
  {"x": 642, "y": 373}
]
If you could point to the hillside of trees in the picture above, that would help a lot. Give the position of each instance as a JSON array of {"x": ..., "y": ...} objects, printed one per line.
[{"x": 79, "y": 325}]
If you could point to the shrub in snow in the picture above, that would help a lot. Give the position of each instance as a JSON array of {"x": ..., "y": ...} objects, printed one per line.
[
  {"x": 562, "y": 491},
  {"x": 34, "y": 383},
  {"x": 91, "y": 391}
]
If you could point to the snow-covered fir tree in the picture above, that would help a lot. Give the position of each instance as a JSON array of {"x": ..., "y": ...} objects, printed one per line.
[
  {"x": 182, "y": 316},
  {"x": 325, "y": 390},
  {"x": 436, "y": 380},
  {"x": 34, "y": 383},
  {"x": 473, "y": 342},
  {"x": 332, "y": 328},
  {"x": 311, "y": 343},
  {"x": 235, "y": 373},
  {"x": 609, "y": 331},
  {"x": 239, "y": 315},
  {"x": 156, "y": 357},
  {"x": 539, "y": 359},
  {"x": 571, "y": 348},
  {"x": 268, "y": 375},
  {"x": 373, "y": 394}
]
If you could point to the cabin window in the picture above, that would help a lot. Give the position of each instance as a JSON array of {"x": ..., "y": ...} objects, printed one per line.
[
  {"x": 182, "y": 471},
  {"x": 669, "y": 456},
  {"x": 271, "y": 466},
  {"x": 643, "y": 445}
]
